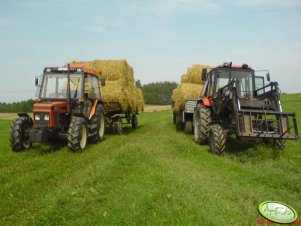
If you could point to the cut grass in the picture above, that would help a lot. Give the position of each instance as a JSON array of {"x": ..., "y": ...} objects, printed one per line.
[{"x": 155, "y": 175}]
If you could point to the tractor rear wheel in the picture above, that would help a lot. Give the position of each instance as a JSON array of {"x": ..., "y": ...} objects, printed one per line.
[
  {"x": 97, "y": 124},
  {"x": 279, "y": 144},
  {"x": 20, "y": 134},
  {"x": 134, "y": 121},
  {"x": 77, "y": 134},
  {"x": 217, "y": 139},
  {"x": 117, "y": 125},
  {"x": 188, "y": 127},
  {"x": 201, "y": 121}
]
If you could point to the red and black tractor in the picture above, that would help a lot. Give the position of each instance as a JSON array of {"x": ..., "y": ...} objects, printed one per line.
[
  {"x": 236, "y": 101},
  {"x": 69, "y": 107}
]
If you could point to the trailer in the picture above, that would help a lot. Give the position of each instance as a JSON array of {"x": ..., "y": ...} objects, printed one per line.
[{"x": 115, "y": 117}]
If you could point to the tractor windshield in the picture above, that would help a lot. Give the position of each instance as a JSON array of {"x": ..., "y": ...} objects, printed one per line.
[
  {"x": 244, "y": 77},
  {"x": 55, "y": 86}
]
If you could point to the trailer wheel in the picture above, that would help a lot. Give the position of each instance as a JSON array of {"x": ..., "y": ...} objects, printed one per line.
[
  {"x": 134, "y": 121},
  {"x": 77, "y": 134},
  {"x": 179, "y": 123},
  {"x": 279, "y": 144},
  {"x": 201, "y": 121},
  {"x": 20, "y": 134},
  {"x": 117, "y": 125},
  {"x": 188, "y": 127},
  {"x": 217, "y": 139},
  {"x": 98, "y": 125},
  {"x": 174, "y": 115}
]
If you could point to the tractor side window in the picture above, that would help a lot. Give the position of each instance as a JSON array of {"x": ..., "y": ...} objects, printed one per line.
[
  {"x": 92, "y": 87},
  {"x": 259, "y": 83}
]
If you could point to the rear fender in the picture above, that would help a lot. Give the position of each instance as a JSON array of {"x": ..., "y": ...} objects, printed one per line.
[{"x": 206, "y": 101}]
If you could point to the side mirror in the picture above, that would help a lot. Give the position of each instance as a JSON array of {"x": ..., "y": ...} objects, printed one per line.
[
  {"x": 102, "y": 82},
  {"x": 37, "y": 81},
  {"x": 204, "y": 74},
  {"x": 268, "y": 77}
]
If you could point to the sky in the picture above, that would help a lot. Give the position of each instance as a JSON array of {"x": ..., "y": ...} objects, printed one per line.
[{"x": 160, "y": 39}]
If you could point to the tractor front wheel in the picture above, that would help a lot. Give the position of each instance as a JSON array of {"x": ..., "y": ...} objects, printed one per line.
[
  {"x": 279, "y": 144},
  {"x": 20, "y": 134},
  {"x": 217, "y": 139},
  {"x": 77, "y": 134}
]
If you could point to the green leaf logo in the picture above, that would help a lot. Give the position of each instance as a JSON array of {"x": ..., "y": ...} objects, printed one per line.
[{"x": 277, "y": 212}]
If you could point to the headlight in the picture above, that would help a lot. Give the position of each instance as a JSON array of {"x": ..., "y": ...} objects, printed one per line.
[
  {"x": 37, "y": 117},
  {"x": 46, "y": 117}
]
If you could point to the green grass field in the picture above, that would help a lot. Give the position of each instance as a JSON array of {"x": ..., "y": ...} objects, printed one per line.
[{"x": 155, "y": 175}]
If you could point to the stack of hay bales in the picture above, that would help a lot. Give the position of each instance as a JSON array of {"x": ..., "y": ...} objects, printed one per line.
[
  {"x": 190, "y": 87},
  {"x": 120, "y": 84}
]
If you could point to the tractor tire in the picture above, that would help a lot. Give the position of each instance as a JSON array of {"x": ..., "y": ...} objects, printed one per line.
[
  {"x": 77, "y": 134},
  {"x": 20, "y": 134},
  {"x": 279, "y": 144},
  {"x": 97, "y": 125},
  {"x": 188, "y": 127},
  {"x": 117, "y": 125},
  {"x": 201, "y": 121},
  {"x": 134, "y": 121},
  {"x": 217, "y": 139}
]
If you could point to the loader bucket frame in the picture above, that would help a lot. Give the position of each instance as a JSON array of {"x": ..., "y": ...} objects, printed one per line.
[{"x": 267, "y": 124}]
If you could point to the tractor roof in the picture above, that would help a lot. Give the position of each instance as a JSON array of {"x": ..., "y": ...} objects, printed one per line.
[
  {"x": 73, "y": 68},
  {"x": 235, "y": 66}
]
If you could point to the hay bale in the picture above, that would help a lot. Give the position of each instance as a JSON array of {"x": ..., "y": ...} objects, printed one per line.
[
  {"x": 183, "y": 92},
  {"x": 114, "y": 91},
  {"x": 140, "y": 100},
  {"x": 194, "y": 74},
  {"x": 120, "y": 84},
  {"x": 190, "y": 87}
]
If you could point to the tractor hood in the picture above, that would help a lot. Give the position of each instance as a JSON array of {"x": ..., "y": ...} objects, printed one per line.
[{"x": 55, "y": 106}]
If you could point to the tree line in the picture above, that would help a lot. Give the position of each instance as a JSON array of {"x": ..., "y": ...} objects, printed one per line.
[
  {"x": 154, "y": 93},
  {"x": 23, "y": 106},
  {"x": 158, "y": 92}
]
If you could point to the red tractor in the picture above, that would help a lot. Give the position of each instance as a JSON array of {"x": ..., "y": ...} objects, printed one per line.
[
  {"x": 235, "y": 101},
  {"x": 69, "y": 107}
]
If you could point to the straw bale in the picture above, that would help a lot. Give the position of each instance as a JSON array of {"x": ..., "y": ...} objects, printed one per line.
[
  {"x": 194, "y": 74},
  {"x": 183, "y": 92},
  {"x": 114, "y": 91},
  {"x": 120, "y": 83},
  {"x": 140, "y": 100}
]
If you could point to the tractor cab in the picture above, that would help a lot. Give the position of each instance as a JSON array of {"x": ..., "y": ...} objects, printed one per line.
[
  {"x": 65, "y": 91},
  {"x": 222, "y": 75}
]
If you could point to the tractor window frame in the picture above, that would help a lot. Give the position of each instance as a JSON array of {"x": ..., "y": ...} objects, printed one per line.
[{"x": 93, "y": 85}]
